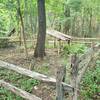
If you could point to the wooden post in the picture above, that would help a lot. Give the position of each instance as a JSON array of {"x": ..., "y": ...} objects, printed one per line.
[
  {"x": 59, "y": 46},
  {"x": 61, "y": 73},
  {"x": 69, "y": 42},
  {"x": 74, "y": 74},
  {"x": 54, "y": 42}
]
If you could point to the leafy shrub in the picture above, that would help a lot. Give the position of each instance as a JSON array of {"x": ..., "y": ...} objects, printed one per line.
[
  {"x": 17, "y": 80},
  {"x": 74, "y": 48},
  {"x": 4, "y": 43},
  {"x": 90, "y": 85}
]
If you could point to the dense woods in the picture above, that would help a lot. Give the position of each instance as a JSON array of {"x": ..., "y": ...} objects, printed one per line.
[
  {"x": 74, "y": 17},
  {"x": 49, "y": 49}
]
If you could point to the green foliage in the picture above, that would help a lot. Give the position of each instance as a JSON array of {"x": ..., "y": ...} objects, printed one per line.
[
  {"x": 75, "y": 4},
  {"x": 4, "y": 43},
  {"x": 17, "y": 80},
  {"x": 81, "y": 10},
  {"x": 90, "y": 85},
  {"x": 6, "y": 95},
  {"x": 74, "y": 48}
]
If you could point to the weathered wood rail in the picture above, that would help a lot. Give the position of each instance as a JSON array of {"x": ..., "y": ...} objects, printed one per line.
[
  {"x": 31, "y": 74},
  {"x": 60, "y": 36},
  {"x": 18, "y": 91},
  {"x": 79, "y": 67},
  {"x": 85, "y": 40}
]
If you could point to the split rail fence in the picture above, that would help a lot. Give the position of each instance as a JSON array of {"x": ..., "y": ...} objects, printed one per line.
[{"x": 79, "y": 66}]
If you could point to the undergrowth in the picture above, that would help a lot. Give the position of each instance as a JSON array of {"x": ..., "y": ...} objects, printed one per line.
[
  {"x": 17, "y": 80},
  {"x": 74, "y": 48},
  {"x": 90, "y": 86}
]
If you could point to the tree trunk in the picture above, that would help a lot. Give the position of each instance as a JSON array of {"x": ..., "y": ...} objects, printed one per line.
[
  {"x": 82, "y": 23},
  {"x": 23, "y": 33},
  {"x": 26, "y": 26},
  {"x": 90, "y": 23},
  {"x": 40, "y": 47},
  {"x": 73, "y": 26},
  {"x": 67, "y": 22}
]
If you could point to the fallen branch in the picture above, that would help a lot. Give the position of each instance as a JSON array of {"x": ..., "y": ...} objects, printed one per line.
[{"x": 18, "y": 91}]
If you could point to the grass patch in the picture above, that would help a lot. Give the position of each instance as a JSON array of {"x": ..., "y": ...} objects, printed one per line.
[
  {"x": 17, "y": 80},
  {"x": 90, "y": 86}
]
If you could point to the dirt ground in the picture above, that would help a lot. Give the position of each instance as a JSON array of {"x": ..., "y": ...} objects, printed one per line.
[{"x": 46, "y": 66}]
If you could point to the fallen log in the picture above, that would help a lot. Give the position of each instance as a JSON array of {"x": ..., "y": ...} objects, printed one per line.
[
  {"x": 18, "y": 91},
  {"x": 34, "y": 75}
]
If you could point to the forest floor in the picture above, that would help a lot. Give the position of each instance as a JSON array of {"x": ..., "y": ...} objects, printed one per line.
[
  {"x": 17, "y": 57},
  {"x": 47, "y": 66}
]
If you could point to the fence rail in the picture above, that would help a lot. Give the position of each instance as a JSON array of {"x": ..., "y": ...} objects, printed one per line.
[
  {"x": 79, "y": 67},
  {"x": 18, "y": 91}
]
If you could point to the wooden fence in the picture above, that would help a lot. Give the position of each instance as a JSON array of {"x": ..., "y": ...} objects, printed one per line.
[
  {"x": 79, "y": 66},
  {"x": 31, "y": 74}
]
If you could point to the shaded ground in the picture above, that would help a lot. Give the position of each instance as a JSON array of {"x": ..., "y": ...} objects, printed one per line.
[
  {"x": 46, "y": 66},
  {"x": 17, "y": 57}
]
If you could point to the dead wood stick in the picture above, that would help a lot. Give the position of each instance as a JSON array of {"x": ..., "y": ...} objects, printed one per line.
[{"x": 18, "y": 91}]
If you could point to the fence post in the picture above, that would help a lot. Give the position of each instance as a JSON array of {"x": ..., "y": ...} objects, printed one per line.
[
  {"x": 74, "y": 74},
  {"x": 60, "y": 77}
]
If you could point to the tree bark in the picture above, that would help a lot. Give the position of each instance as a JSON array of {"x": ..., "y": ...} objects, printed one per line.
[
  {"x": 26, "y": 26},
  {"x": 67, "y": 22},
  {"x": 40, "y": 46},
  {"x": 23, "y": 33},
  {"x": 90, "y": 22}
]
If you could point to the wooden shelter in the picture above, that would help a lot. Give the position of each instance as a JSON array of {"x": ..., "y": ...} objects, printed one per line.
[{"x": 60, "y": 37}]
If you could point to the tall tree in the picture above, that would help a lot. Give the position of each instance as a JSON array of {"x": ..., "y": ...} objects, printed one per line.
[
  {"x": 26, "y": 16},
  {"x": 40, "y": 46},
  {"x": 22, "y": 24}
]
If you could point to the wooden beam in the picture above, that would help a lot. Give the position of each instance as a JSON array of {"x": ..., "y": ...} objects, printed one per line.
[
  {"x": 34, "y": 75},
  {"x": 18, "y": 91},
  {"x": 85, "y": 63},
  {"x": 89, "y": 52},
  {"x": 58, "y": 35},
  {"x": 60, "y": 77},
  {"x": 86, "y": 39}
]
